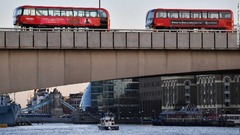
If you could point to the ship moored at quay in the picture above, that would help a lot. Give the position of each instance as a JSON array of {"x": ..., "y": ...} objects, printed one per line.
[
  {"x": 9, "y": 111},
  {"x": 191, "y": 116}
]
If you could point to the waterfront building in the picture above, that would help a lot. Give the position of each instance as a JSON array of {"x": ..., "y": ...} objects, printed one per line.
[
  {"x": 73, "y": 100},
  {"x": 178, "y": 91},
  {"x": 237, "y": 93},
  {"x": 101, "y": 97},
  {"x": 213, "y": 93},
  {"x": 126, "y": 97},
  {"x": 120, "y": 97},
  {"x": 96, "y": 96},
  {"x": 108, "y": 97},
  {"x": 85, "y": 103},
  {"x": 150, "y": 96},
  {"x": 147, "y": 97},
  {"x": 219, "y": 93}
]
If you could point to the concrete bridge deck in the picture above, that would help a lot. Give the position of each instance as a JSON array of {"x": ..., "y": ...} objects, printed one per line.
[{"x": 39, "y": 59}]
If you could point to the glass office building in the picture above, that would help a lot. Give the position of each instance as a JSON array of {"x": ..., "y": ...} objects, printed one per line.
[{"x": 86, "y": 98}]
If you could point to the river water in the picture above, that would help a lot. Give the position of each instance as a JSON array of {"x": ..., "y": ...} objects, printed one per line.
[{"x": 80, "y": 129}]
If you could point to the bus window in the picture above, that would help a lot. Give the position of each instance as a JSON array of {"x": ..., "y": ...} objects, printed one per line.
[
  {"x": 54, "y": 12},
  {"x": 195, "y": 14},
  {"x": 101, "y": 13},
  {"x": 204, "y": 15},
  {"x": 212, "y": 14},
  {"x": 63, "y": 13},
  {"x": 41, "y": 12},
  {"x": 26, "y": 11},
  {"x": 29, "y": 11},
  {"x": 225, "y": 15},
  {"x": 50, "y": 12},
  {"x": 79, "y": 13},
  {"x": 161, "y": 14},
  {"x": 66, "y": 12},
  {"x": 172, "y": 14},
  {"x": 91, "y": 13},
  {"x": 75, "y": 13},
  {"x": 184, "y": 14},
  {"x": 69, "y": 13}
]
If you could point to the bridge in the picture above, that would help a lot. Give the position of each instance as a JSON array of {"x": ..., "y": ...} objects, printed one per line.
[
  {"x": 46, "y": 102},
  {"x": 39, "y": 59}
]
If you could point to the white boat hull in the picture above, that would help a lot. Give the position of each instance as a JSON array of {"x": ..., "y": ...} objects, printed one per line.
[{"x": 114, "y": 127}]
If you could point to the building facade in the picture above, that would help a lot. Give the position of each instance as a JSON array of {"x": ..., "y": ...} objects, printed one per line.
[
  {"x": 96, "y": 96},
  {"x": 213, "y": 93},
  {"x": 147, "y": 97},
  {"x": 219, "y": 93},
  {"x": 108, "y": 97},
  {"x": 85, "y": 103},
  {"x": 178, "y": 91},
  {"x": 126, "y": 97},
  {"x": 150, "y": 96},
  {"x": 73, "y": 100},
  {"x": 120, "y": 97}
]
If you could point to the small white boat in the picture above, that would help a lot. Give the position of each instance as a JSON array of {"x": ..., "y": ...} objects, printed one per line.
[{"x": 107, "y": 123}]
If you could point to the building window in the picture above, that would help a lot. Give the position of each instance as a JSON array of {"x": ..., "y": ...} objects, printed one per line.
[
  {"x": 227, "y": 80},
  {"x": 227, "y": 88},
  {"x": 226, "y": 96},
  {"x": 187, "y": 86},
  {"x": 227, "y": 92},
  {"x": 227, "y": 83}
]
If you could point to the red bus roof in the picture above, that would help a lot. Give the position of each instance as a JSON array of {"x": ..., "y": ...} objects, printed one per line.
[
  {"x": 62, "y": 7},
  {"x": 173, "y": 9},
  {"x": 30, "y": 6}
]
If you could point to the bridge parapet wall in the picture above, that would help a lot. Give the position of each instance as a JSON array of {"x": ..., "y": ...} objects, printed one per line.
[{"x": 117, "y": 40}]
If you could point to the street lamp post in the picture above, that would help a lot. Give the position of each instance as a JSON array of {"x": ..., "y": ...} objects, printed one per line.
[
  {"x": 99, "y": 3},
  {"x": 238, "y": 23}
]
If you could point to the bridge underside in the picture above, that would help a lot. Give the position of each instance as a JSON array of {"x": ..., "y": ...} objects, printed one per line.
[{"x": 28, "y": 69}]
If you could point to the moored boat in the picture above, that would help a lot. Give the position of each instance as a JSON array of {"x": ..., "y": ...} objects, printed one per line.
[
  {"x": 9, "y": 111},
  {"x": 190, "y": 116}
]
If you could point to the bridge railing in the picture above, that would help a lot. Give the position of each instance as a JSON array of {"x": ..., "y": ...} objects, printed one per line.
[
  {"x": 117, "y": 30},
  {"x": 13, "y": 38}
]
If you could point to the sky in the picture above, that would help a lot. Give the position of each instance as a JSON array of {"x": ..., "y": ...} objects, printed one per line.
[{"x": 124, "y": 14}]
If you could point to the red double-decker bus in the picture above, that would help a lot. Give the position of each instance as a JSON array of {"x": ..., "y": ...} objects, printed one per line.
[
  {"x": 50, "y": 17},
  {"x": 189, "y": 19}
]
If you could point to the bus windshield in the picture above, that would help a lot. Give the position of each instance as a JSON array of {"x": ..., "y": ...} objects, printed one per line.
[
  {"x": 150, "y": 16},
  {"x": 102, "y": 14},
  {"x": 17, "y": 11}
]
